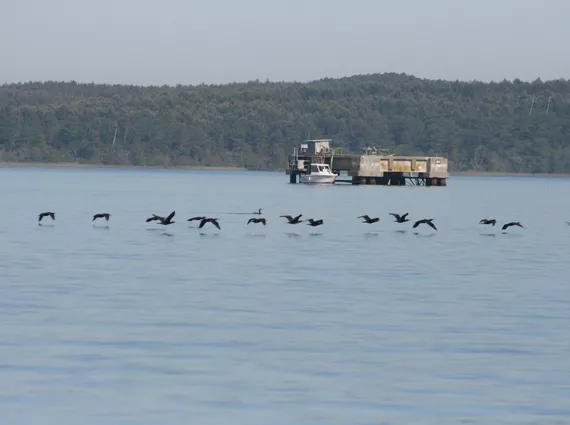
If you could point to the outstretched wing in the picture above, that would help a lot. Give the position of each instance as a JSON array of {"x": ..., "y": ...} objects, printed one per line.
[
  {"x": 203, "y": 222},
  {"x": 170, "y": 216},
  {"x": 430, "y": 224},
  {"x": 263, "y": 221},
  {"x": 505, "y": 226},
  {"x": 299, "y": 216},
  {"x": 251, "y": 220},
  {"x": 416, "y": 224},
  {"x": 404, "y": 216},
  {"x": 365, "y": 217},
  {"x": 288, "y": 217},
  {"x": 215, "y": 223},
  {"x": 396, "y": 216}
]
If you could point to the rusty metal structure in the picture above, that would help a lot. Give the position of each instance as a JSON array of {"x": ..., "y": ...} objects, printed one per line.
[{"x": 374, "y": 167}]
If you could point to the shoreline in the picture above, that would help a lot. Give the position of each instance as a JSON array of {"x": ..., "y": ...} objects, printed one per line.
[
  {"x": 228, "y": 168},
  {"x": 504, "y": 174},
  {"x": 152, "y": 167}
]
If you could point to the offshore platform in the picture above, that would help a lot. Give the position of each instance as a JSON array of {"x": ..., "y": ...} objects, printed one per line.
[{"x": 373, "y": 167}]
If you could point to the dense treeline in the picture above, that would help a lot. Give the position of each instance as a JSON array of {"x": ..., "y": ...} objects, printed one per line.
[{"x": 507, "y": 126}]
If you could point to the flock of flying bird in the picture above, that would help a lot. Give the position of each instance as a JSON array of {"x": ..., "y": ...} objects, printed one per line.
[{"x": 290, "y": 220}]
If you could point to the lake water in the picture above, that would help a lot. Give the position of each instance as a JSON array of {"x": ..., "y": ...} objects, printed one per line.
[{"x": 129, "y": 322}]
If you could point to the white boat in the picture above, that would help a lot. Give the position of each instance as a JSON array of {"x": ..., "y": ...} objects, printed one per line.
[{"x": 318, "y": 174}]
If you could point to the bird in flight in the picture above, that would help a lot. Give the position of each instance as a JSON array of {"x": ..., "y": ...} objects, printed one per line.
[
  {"x": 513, "y": 223},
  {"x": 314, "y": 223},
  {"x": 369, "y": 220},
  {"x": 45, "y": 214},
  {"x": 292, "y": 220},
  {"x": 101, "y": 215},
  {"x": 214, "y": 221},
  {"x": 400, "y": 218},
  {"x": 488, "y": 221},
  {"x": 427, "y": 221},
  {"x": 165, "y": 221},
  {"x": 196, "y": 218},
  {"x": 154, "y": 218},
  {"x": 258, "y": 212},
  {"x": 257, "y": 220}
]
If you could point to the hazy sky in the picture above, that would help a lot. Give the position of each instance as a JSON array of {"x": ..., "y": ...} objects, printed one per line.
[{"x": 217, "y": 41}]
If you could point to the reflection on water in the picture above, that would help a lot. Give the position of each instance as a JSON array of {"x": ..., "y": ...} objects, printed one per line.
[
  {"x": 512, "y": 235},
  {"x": 424, "y": 235}
]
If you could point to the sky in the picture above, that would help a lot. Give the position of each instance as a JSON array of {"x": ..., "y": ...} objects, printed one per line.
[{"x": 155, "y": 42}]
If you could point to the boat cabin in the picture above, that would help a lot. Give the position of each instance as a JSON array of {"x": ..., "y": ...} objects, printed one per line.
[{"x": 320, "y": 169}]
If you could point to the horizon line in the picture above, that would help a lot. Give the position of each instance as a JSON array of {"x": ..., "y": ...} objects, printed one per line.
[{"x": 538, "y": 80}]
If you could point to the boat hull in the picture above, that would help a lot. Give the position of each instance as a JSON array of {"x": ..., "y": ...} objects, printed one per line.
[{"x": 317, "y": 179}]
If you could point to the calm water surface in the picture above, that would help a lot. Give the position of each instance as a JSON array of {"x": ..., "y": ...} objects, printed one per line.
[{"x": 136, "y": 323}]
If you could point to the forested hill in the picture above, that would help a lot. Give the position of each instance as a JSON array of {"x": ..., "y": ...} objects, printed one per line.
[{"x": 478, "y": 126}]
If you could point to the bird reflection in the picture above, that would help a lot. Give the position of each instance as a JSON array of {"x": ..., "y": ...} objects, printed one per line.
[
  {"x": 420, "y": 235},
  {"x": 255, "y": 235}
]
